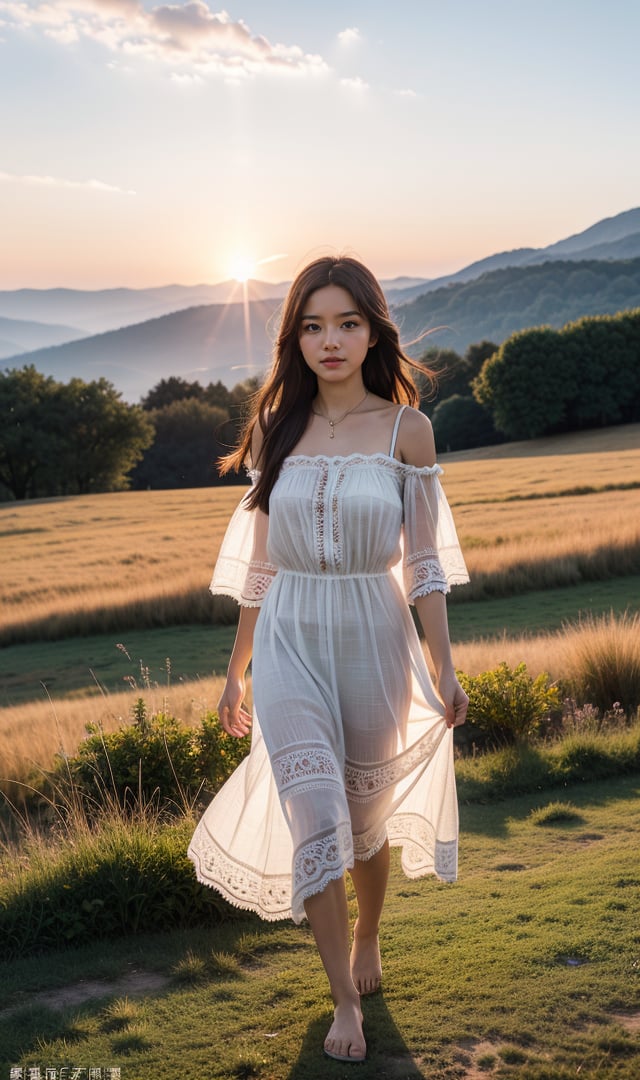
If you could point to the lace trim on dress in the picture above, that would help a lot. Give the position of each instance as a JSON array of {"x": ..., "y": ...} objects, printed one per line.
[
  {"x": 243, "y": 887},
  {"x": 368, "y": 844},
  {"x": 305, "y": 460},
  {"x": 303, "y": 766},
  {"x": 422, "y": 852},
  {"x": 424, "y": 574},
  {"x": 365, "y": 782},
  {"x": 259, "y": 577},
  {"x": 318, "y": 862}
]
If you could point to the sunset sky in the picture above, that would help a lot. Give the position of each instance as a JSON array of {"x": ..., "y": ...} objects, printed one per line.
[{"x": 145, "y": 144}]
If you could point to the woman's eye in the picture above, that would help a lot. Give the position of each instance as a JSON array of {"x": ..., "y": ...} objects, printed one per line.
[
  {"x": 310, "y": 327},
  {"x": 350, "y": 324}
]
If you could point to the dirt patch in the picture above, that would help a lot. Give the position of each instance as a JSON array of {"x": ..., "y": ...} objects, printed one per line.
[
  {"x": 136, "y": 984},
  {"x": 471, "y": 1051},
  {"x": 629, "y": 1021}
]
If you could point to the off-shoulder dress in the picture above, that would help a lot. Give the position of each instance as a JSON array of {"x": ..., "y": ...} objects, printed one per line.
[{"x": 349, "y": 745}]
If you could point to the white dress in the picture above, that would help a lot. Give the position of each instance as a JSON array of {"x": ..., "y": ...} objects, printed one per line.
[{"x": 349, "y": 745}]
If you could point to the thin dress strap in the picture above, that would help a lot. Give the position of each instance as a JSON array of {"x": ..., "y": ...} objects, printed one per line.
[{"x": 394, "y": 436}]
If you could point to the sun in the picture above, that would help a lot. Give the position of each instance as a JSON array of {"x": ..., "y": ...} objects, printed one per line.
[{"x": 241, "y": 268}]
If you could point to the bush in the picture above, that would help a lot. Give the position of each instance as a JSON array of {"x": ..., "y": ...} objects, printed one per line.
[
  {"x": 507, "y": 705},
  {"x": 154, "y": 757}
]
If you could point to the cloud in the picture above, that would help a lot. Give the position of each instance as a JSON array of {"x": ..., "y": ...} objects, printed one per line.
[
  {"x": 186, "y": 34},
  {"x": 186, "y": 79},
  {"x": 406, "y": 93},
  {"x": 349, "y": 36},
  {"x": 61, "y": 182},
  {"x": 356, "y": 83}
]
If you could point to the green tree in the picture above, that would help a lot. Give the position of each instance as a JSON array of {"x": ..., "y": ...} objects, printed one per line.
[
  {"x": 169, "y": 390},
  {"x": 526, "y": 383},
  {"x": 190, "y": 436},
  {"x": 460, "y": 423},
  {"x": 27, "y": 441},
  {"x": 58, "y": 439},
  {"x": 587, "y": 374},
  {"x": 104, "y": 437},
  {"x": 475, "y": 357}
]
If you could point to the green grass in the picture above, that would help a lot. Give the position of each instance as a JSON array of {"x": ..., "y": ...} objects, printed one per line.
[
  {"x": 523, "y": 967},
  {"x": 542, "y": 611},
  {"x": 65, "y": 667}
]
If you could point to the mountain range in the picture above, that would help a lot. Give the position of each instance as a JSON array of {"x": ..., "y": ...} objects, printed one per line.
[{"x": 135, "y": 337}]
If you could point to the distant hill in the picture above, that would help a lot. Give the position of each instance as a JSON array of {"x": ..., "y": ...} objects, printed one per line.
[
  {"x": 612, "y": 238},
  {"x": 499, "y": 303},
  {"x": 97, "y": 310},
  {"x": 18, "y": 336},
  {"x": 206, "y": 343},
  {"x": 135, "y": 337}
]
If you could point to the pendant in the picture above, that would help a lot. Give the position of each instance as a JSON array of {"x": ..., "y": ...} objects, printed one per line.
[{"x": 331, "y": 431}]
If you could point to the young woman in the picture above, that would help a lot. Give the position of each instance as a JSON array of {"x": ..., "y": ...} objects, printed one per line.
[{"x": 352, "y": 745}]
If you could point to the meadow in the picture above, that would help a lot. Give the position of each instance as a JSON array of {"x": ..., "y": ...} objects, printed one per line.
[
  {"x": 527, "y": 967},
  {"x": 105, "y": 596},
  {"x": 565, "y": 513}
]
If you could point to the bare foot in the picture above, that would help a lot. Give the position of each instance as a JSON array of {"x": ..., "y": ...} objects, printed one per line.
[
  {"x": 366, "y": 966},
  {"x": 345, "y": 1040}
]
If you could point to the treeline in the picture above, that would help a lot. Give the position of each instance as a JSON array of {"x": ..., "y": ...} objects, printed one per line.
[
  {"x": 66, "y": 438},
  {"x": 76, "y": 438},
  {"x": 79, "y": 437},
  {"x": 501, "y": 302},
  {"x": 193, "y": 427},
  {"x": 544, "y": 381}
]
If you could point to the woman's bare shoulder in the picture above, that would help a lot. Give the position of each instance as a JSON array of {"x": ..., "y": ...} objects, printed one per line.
[{"x": 416, "y": 444}]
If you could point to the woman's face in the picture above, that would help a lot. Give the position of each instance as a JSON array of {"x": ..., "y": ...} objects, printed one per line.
[{"x": 334, "y": 337}]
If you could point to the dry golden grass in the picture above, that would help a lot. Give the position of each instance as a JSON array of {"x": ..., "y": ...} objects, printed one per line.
[
  {"x": 137, "y": 559},
  {"x": 104, "y": 562},
  {"x": 80, "y": 587},
  {"x": 31, "y": 735},
  {"x": 596, "y": 657}
]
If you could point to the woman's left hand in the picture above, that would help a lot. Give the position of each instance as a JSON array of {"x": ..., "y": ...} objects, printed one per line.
[{"x": 454, "y": 699}]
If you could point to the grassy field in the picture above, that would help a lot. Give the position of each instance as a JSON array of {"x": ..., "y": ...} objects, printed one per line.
[
  {"x": 85, "y": 576},
  {"x": 130, "y": 560},
  {"x": 527, "y": 968}
]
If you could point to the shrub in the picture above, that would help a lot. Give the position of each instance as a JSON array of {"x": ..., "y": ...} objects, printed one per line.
[
  {"x": 460, "y": 423},
  {"x": 153, "y": 757},
  {"x": 507, "y": 705}
]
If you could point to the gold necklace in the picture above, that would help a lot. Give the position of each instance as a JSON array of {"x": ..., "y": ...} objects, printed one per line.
[{"x": 339, "y": 419}]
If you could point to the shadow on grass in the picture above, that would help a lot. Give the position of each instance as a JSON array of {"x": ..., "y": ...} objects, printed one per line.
[
  {"x": 492, "y": 818},
  {"x": 388, "y": 1055}
]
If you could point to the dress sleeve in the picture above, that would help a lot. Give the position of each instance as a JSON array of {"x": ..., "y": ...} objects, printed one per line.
[
  {"x": 243, "y": 570},
  {"x": 432, "y": 559}
]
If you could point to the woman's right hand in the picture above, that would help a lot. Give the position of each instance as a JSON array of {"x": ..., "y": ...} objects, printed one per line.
[{"x": 233, "y": 717}]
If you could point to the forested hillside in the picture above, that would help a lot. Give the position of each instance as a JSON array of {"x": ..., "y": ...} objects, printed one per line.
[{"x": 499, "y": 303}]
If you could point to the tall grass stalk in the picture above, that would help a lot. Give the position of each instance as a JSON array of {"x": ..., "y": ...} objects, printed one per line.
[
  {"x": 32, "y": 735},
  {"x": 602, "y": 661}
]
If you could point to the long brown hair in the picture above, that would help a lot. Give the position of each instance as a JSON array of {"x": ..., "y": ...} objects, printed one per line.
[{"x": 282, "y": 406}]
